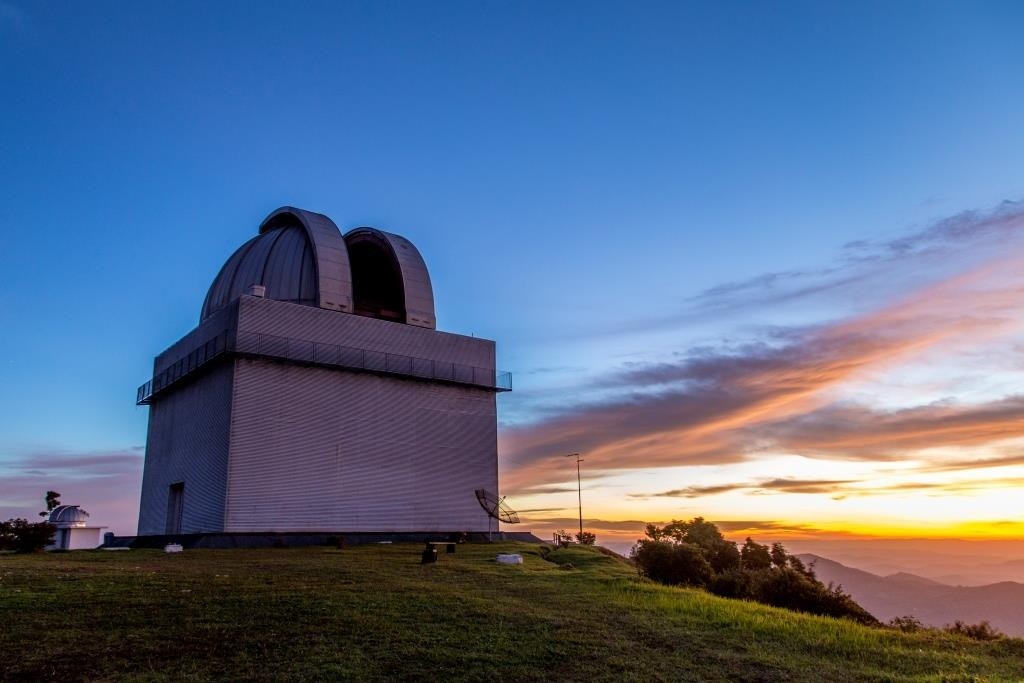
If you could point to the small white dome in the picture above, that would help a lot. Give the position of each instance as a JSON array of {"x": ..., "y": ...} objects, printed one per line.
[{"x": 68, "y": 515}]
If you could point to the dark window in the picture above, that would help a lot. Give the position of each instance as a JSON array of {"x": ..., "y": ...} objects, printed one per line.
[{"x": 175, "y": 507}]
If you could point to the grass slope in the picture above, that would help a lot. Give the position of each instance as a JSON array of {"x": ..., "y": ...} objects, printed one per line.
[{"x": 373, "y": 612}]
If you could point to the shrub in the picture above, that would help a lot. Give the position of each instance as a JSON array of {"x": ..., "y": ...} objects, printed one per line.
[
  {"x": 980, "y": 631},
  {"x": 792, "y": 590},
  {"x": 23, "y": 536},
  {"x": 695, "y": 553},
  {"x": 797, "y": 565},
  {"x": 734, "y": 583},
  {"x": 586, "y": 538},
  {"x": 677, "y": 564},
  {"x": 907, "y": 624}
]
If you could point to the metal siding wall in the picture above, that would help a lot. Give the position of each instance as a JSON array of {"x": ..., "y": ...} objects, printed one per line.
[
  {"x": 314, "y": 324},
  {"x": 224, "y": 319},
  {"x": 188, "y": 441},
  {"x": 324, "y": 449}
]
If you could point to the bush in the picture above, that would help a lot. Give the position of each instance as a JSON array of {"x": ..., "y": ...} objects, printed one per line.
[
  {"x": 677, "y": 564},
  {"x": 734, "y": 583},
  {"x": 695, "y": 553},
  {"x": 791, "y": 589},
  {"x": 586, "y": 538},
  {"x": 980, "y": 631},
  {"x": 907, "y": 624},
  {"x": 23, "y": 536},
  {"x": 720, "y": 553}
]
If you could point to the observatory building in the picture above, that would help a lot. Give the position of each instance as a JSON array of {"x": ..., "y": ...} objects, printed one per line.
[
  {"x": 73, "y": 530},
  {"x": 316, "y": 395}
]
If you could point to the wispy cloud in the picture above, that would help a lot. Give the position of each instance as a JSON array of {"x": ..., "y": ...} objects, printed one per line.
[
  {"x": 766, "y": 485},
  {"x": 838, "y": 488},
  {"x": 105, "y": 483},
  {"x": 762, "y": 525},
  {"x": 716, "y": 406},
  {"x": 861, "y": 262},
  {"x": 859, "y": 431},
  {"x": 547, "y": 489},
  {"x": 1011, "y": 460}
]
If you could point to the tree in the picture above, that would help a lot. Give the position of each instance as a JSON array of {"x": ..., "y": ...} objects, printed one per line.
[
  {"x": 677, "y": 564},
  {"x": 755, "y": 556},
  {"x": 52, "y": 501},
  {"x": 586, "y": 538},
  {"x": 797, "y": 565},
  {"x": 780, "y": 559},
  {"x": 23, "y": 536},
  {"x": 721, "y": 554},
  {"x": 695, "y": 553}
]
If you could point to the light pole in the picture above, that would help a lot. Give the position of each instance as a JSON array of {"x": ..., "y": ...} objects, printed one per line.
[{"x": 579, "y": 486}]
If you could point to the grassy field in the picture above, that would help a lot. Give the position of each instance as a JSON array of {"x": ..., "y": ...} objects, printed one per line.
[{"x": 373, "y": 613}]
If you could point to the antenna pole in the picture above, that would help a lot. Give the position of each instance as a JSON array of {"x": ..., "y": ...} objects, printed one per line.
[{"x": 579, "y": 486}]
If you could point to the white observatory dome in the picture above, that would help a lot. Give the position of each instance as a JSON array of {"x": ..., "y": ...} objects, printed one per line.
[{"x": 68, "y": 515}]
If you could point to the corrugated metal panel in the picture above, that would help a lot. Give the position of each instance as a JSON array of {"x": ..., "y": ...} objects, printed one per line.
[
  {"x": 419, "y": 295},
  {"x": 320, "y": 449},
  {"x": 187, "y": 442},
  {"x": 219, "y": 293},
  {"x": 317, "y": 270},
  {"x": 254, "y": 268},
  {"x": 275, "y": 260},
  {"x": 221, "y": 320},
  {"x": 285, "y": 265},
  {"x": 305, "y": 322},
  {"x": 333, "y": 274}
]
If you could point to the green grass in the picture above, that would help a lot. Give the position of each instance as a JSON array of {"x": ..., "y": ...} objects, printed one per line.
[{"x": 374, "y": 613}]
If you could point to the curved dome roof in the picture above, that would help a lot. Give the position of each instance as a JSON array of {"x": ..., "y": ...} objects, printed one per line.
[
  {"x": 281, "y": 260},
  {"x": 301, "y": 257},
  {"x": 385, "y": 265},
  {"x": 67, "y": 514}
]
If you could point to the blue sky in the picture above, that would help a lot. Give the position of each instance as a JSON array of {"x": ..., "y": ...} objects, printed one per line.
[{"x": 573, "y": 172}]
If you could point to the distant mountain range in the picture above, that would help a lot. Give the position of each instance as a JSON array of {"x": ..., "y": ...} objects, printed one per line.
[{"x": 932, "y": 602}]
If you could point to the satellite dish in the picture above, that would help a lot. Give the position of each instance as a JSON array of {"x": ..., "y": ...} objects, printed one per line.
[{"x": 496, "y": 507}]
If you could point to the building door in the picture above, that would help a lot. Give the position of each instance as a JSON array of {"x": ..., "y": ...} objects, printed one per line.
[{"x": 175, "y": 507}]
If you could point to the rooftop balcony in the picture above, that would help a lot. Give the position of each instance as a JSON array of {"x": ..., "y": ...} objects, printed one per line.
[{"x": 258, "y": 345}]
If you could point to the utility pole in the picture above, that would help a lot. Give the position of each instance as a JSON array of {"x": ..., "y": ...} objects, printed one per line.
[{"x": 579, "y": 486}]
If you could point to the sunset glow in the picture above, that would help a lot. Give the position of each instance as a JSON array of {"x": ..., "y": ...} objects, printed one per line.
[
  {"x": 896, "y": 421},
  {"x": 758, "y": 263}
]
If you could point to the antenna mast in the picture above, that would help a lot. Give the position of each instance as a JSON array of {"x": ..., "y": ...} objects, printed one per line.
[{"x": 579, "y": 486}]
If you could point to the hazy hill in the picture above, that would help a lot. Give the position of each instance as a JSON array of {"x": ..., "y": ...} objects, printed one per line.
[
  {"x": 375, "y": 613},
  {"x": 934, "y": 603}
]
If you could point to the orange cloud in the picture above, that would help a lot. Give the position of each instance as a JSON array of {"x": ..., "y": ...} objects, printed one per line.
[{"x": 724, "y": 407}]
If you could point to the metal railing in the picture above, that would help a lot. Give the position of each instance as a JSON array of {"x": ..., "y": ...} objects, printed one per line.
[
  {"x": 318, "y": 353},
  {"x": 199, "y": 356}
]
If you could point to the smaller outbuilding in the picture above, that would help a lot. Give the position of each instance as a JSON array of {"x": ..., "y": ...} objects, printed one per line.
[{"x": 73, "y": 532}]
